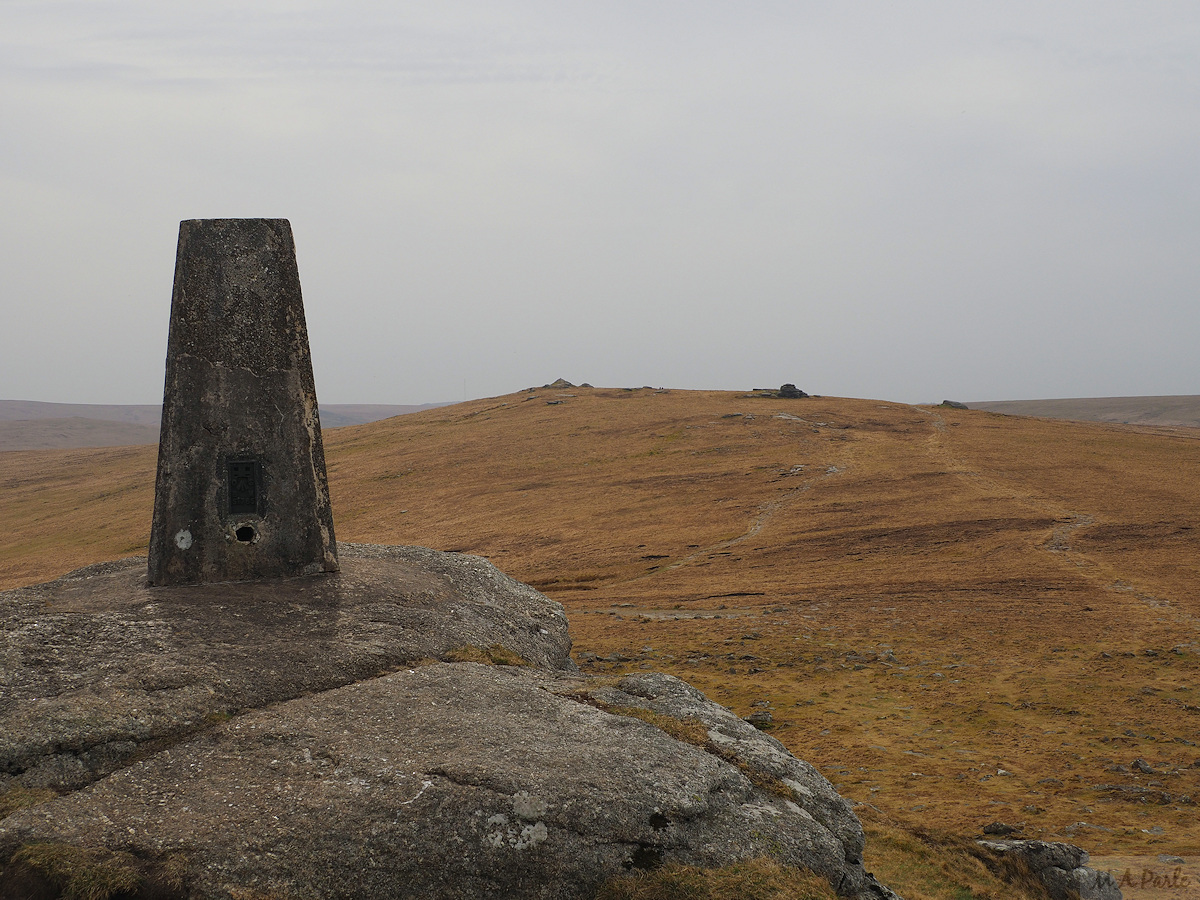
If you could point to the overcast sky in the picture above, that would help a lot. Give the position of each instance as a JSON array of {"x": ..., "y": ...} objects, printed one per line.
[{"x": 908, "y": 201}]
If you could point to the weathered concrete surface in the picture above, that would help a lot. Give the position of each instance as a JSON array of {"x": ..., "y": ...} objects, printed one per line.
[
  {"x": 239, "y": 389},
  {"x": 300, "y": 738}
]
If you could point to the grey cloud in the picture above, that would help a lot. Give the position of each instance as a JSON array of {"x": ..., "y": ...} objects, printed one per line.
[{"x": 871, "y": 200}]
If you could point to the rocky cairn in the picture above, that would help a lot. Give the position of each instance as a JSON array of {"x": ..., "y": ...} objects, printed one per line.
[{"x": 412, "y": 726}]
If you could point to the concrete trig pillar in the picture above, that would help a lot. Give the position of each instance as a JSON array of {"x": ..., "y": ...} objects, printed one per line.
[{"x": 241, "y": 490}]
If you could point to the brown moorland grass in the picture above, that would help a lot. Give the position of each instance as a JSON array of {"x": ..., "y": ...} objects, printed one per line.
[
  {"x": 62, "y": 509},
  {"x": 959, "y": 617}
]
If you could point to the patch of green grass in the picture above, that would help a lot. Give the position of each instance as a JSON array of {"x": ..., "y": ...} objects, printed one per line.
[{"x": 750, "y": 879}]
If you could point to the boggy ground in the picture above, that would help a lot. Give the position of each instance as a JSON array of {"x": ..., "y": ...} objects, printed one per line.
[{"x": 959, "y": 617}]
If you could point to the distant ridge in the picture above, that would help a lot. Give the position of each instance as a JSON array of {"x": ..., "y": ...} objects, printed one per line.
[
  {"x": 34, "y": 425},
  {"x": 144, "y": 414},
  {"x": 1182, "y": 410}
]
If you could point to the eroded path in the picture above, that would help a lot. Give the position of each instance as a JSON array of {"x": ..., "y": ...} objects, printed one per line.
[{"x": 1067, "y": 540}]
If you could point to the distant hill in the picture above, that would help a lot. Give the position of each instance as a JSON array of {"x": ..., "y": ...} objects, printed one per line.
[
  {"x": 1179, "y": 410},
  {"x": 144, "y": 414},
  {"x": 33, "y": 425},
  {"x": 72, "y": 433}
]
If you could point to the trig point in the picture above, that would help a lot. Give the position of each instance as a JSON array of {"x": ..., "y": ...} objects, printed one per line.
[{"x": 241, "y": 490}]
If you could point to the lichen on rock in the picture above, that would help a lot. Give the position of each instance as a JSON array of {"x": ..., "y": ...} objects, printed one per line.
[{"x": 301, "y": 735}]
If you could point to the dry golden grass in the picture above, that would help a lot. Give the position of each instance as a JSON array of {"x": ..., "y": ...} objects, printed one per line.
[
  {"x": 752, "y": 879},
  {"x": 924, "y": 866},
  {"x": 925, "y": 598},
  {"x": 493, "y": 655},
  {"x": 62, "y": 509},
  {"x": 81, "y": 873}
]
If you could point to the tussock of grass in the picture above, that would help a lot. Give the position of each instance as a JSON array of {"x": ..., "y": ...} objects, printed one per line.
[
  {"x": 689, "y": 731},
  {"x": 1010, "y": 868},
  {"x": 83, "y": 873},
  {"x": 924, "y": 866},
  {"x": 751, "y": 879},
  {"x": 493, "y": 655},
  {"x": 20, "y": 797}
]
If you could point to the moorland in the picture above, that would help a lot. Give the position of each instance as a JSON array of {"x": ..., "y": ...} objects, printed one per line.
[
  {"x": 962, "y": 618},
  {"x": 1174, "y": 410}
]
